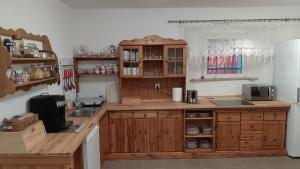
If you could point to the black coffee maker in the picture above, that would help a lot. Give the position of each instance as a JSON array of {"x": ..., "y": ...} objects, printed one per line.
[{"x": 51, "y": 110}]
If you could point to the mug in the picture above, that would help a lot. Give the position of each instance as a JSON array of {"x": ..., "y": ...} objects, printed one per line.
[
  {"x": 133, "y": 71},
  {"x": 128, "y": 71}
]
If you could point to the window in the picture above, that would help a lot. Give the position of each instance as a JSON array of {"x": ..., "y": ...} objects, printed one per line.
[{"x": 220, "y": 62}]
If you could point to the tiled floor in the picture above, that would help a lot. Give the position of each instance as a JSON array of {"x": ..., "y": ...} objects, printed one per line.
[{"x": 223, "y": 163}]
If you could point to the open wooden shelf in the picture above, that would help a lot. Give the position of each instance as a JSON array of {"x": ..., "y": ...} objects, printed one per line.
[
  {"x": 94, "y": 74},
  {"x": 152, "y": 77},
  {"x": 78, "y": 59},
  {"x": 199, "y": 136},
  {"x": 199, "y": 118},
  {"x": 95, "y": 58},
  {"x": 36, "y": 82},
  {"x": 198, "y": 150},
  {"x": 31, "y": 60},
  {"x": 131, "y": 61},
  {"x": 152, "y": 59},
  {"x": 7, "y": 60}
]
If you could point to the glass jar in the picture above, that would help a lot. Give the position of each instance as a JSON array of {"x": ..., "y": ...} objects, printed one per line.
[
  {"x": 53, "y": 72},
  {"x": 18, "y": 45},
  {"x": 36, "y": 73},
  {"x": 31, "y": 50},
  {"x": 46, "y": 72}
]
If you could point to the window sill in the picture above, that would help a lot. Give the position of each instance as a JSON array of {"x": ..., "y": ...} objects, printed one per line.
[{"x": 223, "y": 79}]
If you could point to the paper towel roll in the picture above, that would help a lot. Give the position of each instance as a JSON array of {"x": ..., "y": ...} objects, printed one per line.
[{"x": 177, "y": 94}]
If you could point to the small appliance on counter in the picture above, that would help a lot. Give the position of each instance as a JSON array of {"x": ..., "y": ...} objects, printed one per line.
[
  {"x": 192, "y": 96},
  {"x": 51, "y": 110},
  {"x": 177, "y": 94},
  {"x": 258, "y": 92},
  {"x": 87, "y": 106}
]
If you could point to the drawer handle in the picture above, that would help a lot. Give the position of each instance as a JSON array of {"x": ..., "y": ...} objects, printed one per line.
[{"x": 275, "y": 115}]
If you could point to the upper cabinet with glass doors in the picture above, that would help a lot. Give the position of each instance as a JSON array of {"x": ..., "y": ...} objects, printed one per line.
[
  {"x": 175, "y": 60},
  {"x": 153, "y": 57},
  {"x": 131, "y": 64}
]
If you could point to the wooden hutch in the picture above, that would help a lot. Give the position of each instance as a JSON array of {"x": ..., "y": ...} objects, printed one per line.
[{"x": 150, "y": 67}]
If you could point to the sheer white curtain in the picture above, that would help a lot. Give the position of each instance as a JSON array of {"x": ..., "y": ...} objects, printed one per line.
[{"x": 255, "y": 41}]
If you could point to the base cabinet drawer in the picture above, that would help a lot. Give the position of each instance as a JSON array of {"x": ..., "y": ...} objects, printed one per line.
[
  {"x": 252, "y": 126},
  {"x": 120, "y": 114},
  {"x": 229, "y": 116},
  {"x": 252, "y": 116},
  {"x": 251, "y": 135},
  {"x": 250, "y": 145},
  {"x": 276, "y": 115},
  {"x": 145, "y": 114}
]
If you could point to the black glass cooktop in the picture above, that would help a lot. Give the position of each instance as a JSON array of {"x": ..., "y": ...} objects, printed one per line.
[{"x": 231, "y": 102}]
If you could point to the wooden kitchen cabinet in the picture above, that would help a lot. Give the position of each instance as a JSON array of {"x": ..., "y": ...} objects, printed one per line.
[
  {"x": 228, "y": 136},
  {"x": 274, "y": 135},
  {"x": 145, "y": 135},
  {"x": 145, "y": 131},
  {"x": 121, "y": 130},
  {"x": 170, "y": 131},
  {"x": 175, "y": 60}
]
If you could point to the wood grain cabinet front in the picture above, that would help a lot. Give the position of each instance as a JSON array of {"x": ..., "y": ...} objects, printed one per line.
[
  {"x": 229, "y": 116},
  {"x": 274, "y": 135},
  {"x": 228, "y": 136},
  {"x": 121, "y": 132},
  {"x": 145, "y": 131},
  {"x": 170, "y": 131}
]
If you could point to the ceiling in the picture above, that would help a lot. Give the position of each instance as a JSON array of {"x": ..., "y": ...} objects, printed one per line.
[{"x": 92, "y": 4}]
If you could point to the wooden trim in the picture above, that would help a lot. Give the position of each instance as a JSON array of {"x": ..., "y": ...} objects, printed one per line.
[
  {"x": 27, "y": 86},
  {"x": 34, "y": 159},
  {"x": 32, "y": 60},
  {"x": 21, "y": 32},
  {"x": 152, "y": 40},
  {"x": 95, "y": 58},
  {"x": 7, "y": 87},
  {"x": 178, "y": 155}
]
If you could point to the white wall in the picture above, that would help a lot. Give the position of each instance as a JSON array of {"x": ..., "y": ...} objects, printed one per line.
[
  {"x": 67, "y": 28},
  {"x": 47, "y": 17},
  {"x": 100, "y": 27}
]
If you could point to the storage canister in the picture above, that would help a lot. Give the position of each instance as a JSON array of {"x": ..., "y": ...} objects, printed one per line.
[{"x": 18, "y": 45}]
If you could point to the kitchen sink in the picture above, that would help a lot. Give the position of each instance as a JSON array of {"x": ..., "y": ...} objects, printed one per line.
[{"x": 85, "y": 112}]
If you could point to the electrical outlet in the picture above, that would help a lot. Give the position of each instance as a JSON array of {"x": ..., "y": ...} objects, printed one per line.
[{"x": 157, "y": 86}]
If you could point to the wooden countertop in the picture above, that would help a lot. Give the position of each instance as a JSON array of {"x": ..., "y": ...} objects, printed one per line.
[
  {"x": 67, "y": 143},
  {"x": 204, "y": 103}
]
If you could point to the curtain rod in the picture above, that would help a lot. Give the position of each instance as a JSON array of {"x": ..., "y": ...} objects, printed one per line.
[{"x": 286, "y": 20}]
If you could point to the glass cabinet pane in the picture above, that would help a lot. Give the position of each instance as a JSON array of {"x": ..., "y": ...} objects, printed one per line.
[
  {"x": 179, "y": 68},
  {"x": 171, "y": 68},
  {"x": 179, "y": 54},
  {"x": 175, "y": 60},
  {"x": 171, "y": 54},
  {"x": 131, "y": 64}
]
